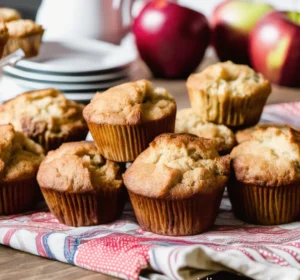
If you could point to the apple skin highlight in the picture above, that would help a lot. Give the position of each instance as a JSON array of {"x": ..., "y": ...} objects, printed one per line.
[
  {"x": 231, "y": 24},
  {"x": 171, "y": 39},
  {"x": 274, "y": 48}
]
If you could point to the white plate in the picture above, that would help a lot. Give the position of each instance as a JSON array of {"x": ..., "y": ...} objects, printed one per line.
[
  {"x": 87, "y": 96},
  {"x": 78, "y": 56},
  {"x": 68, "y": 87},
  {"x": 9, "y": 89},
  {"x": 39, "y": 76}
]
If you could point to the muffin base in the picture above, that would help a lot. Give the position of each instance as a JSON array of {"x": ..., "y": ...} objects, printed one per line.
[
  {"x": 86, "y": 209},
  {"x": 265, "y": 205},
  {"x": 2, "y": 46},
  {"x": 54, "y": 141},
  {"x": 123, "y": 143},
  {"x": 29, "y": 44},
  {"x": 17, "y": 197},
  {"x": 235, "y": 111},
  {"x": 177, "y": 217}
]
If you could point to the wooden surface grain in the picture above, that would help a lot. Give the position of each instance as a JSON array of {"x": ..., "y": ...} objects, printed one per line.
[{"x": 19, "y": 265}]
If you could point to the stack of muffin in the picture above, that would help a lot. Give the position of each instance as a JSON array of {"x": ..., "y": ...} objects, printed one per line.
[
  {"x": 18, "y": 33},
  {"x": 181, "y": 164}
]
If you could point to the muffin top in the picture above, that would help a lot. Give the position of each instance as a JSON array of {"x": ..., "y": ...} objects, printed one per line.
[
  {"x": 229, "y": 79},
  {"x": 7, "y": 14},
  {"x": 20, "y": 157},
  {"x": 189, "y": 122},
  {"x": 77, "y": 167},
  {"x": 245, "y": 134},
  {"x": 3, "y": 33},
  {"x": 23, "y": 27},
  {"x": 176, "y": 166},
  {"x": 42, "y": 112},
  {"x": 271, "y": 158},
  {"x": 129, "y": 104}
]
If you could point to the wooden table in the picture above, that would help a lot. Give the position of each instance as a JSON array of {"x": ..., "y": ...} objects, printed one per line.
[{"x": 18, "y": 265}]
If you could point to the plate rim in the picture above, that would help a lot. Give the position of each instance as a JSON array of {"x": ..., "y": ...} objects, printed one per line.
[
  {"x": 37, "y": 85},
  {"x": 37, "y": 77},
  {"x": 28, "y": 64}
]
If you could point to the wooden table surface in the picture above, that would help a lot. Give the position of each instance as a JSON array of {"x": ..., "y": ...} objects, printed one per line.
[{"x": 18, "y": 265}]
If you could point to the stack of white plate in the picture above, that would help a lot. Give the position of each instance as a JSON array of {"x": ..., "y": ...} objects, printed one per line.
[{"x": 78, "y": 68}]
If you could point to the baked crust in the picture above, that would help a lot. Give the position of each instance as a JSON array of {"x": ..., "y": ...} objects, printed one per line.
[
  {"x": 189, "y": 122},
  {"x": 130, "y": 104},
  {"x": 177, "y": 166},
  {"x": 77, "y": 167},
  {"x": 43, "y": 112},
  {"x": 229, "y": 94},
  {"x": 20, "y": 157},
  {"x": 23, "y": 27},
  {"x": 227, "y": 79},
  {"x": 271, "y": 158},
  {"x": 7, "y": 14},
  {"x": 3, "y": 37},
  {"x": 3, "y": 34},
  {"x": 245, "y": 134}
]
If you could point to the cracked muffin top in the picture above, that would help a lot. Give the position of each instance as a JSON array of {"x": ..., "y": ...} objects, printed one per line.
[
  {"x": 77, "y": 167},
  {"x": 189, "y": 122},
  {"x": 229, "y": 79},
  {"x": 20, "y": 157},
  {"x": 23, "y": 27},
  {"x": 130, "y": 103},
  {"x": 246, "y": 134},
  {"x": 7, "y": 14},
  {"x": 42, "y": 112},
  {"x": 177, "y": 166},
  {"x": 271, "y": 158}
]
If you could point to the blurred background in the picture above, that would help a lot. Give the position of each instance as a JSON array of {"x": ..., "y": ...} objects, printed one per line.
[
  {"x": 29, "y": 7},
  {"x": 92, "y": 45}
]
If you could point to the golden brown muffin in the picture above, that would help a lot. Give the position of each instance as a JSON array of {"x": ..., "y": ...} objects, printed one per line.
[
  {"x": 80, "y": 186},
  {"x": 45, "y": 116},
  {"x": 173, "y": 181},
  {"x": 125, "y": 119},
  {"x": 3, "y": 37},
  {"x": 245, "y": 134},
  {"x": 8, "y": 14},
  {"x": 265, "y": 188},
  {"x": 20, "y": 158},
  {"x": 24, "y": 34},
  {"x": 229, "y": 94},
  {"x": 187, "y": 121}
]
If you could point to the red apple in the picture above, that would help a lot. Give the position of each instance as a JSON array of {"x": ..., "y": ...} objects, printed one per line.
[
  {"x": 232, "y": 22},
  {"x": 171, "y": 39},
  {"x": 275, "y": 47}
]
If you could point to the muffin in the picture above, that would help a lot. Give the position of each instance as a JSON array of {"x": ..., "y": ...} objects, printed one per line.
[
  {"x": 229, "y": 94},
  {"x": 176, "y": 185},
  {"x": 125, "y": 119},
  {"x": 45, "y": 116},
  {"x": 24, "y": 34},
  {"x": 189, "y": 122},
  {"x": 7, "y": 14},
  {"x": 80, "y": 186},
  {"x": 245, "y": 134},
  {"x": 265, "y": 186},
  {"x": 20, "y": 158},
  {"x": 3, "y": 37}
]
